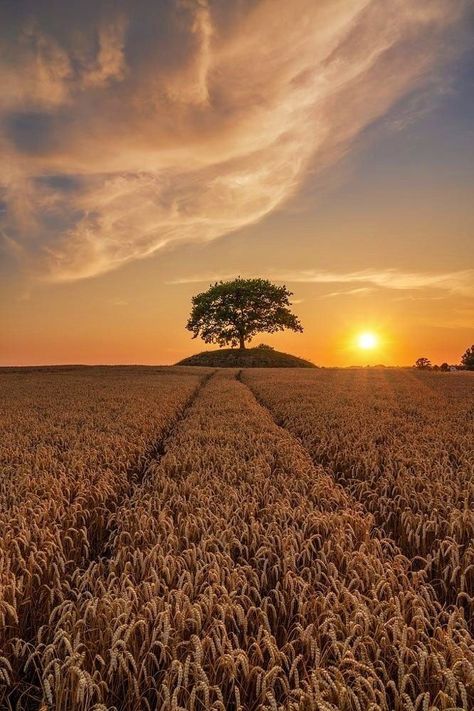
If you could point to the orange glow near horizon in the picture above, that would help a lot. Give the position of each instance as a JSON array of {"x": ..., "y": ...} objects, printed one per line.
[{"x": 146, "y": 155}]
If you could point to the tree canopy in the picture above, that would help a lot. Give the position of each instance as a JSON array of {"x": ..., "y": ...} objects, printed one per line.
[
  {"x": 233, "y": 312},
  {"x": 423, "y": 363},
  {"x": 467, "y": 359}
]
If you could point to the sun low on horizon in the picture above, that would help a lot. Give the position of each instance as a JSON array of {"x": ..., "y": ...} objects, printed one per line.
[
  {"x": 149, "y": 153},
  {"x": 367, "y": 340},
  {"x": 371, "y": 344}
]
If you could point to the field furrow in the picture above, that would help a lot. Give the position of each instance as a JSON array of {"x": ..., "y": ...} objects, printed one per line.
[
  {"x": 73, "y": 449},
  {"x": 240, "y": 576},
  {"x": 401, "y": 444}
]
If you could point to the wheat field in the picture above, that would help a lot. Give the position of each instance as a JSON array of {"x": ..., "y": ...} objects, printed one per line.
[{"x": 188, "y": 538}]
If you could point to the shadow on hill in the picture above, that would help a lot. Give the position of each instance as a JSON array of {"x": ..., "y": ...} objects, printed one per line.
[{"x": 248, "y": 358}]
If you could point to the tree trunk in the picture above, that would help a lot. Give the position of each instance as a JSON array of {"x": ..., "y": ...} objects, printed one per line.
[{"x": 242, "y": 341}]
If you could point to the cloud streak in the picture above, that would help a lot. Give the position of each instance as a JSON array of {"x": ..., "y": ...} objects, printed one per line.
[
  {"x": 184, "y": 121},
  {"x": 460, "y": 282},
  {"x": 456, "y": 282}
]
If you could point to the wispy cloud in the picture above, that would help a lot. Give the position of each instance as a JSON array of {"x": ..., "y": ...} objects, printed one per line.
[
  {"x": 459, "y": 282},
  {"x": 118, "y": 302},
  {"x": 205, "y": 278},
  {"x": 123, "y": 132},
  {"x": 349, "y": 292}
]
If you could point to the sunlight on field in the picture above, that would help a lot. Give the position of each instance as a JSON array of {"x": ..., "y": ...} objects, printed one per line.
[{"x": 166, "y": 545}]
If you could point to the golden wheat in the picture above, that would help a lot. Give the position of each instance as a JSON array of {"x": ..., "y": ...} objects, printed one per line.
[
  {"x": 224, "y": 568},
  {"x": 403, "y": 445}
]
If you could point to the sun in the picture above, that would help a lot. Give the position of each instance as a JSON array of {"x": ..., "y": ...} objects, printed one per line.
[{"x": 367, "y": 340}]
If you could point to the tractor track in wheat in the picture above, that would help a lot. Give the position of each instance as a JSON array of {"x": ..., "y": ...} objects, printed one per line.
[{"x": 229, "y": 570}]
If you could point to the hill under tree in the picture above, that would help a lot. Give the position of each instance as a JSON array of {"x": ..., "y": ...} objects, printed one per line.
[{"x": 246, "y": 358}]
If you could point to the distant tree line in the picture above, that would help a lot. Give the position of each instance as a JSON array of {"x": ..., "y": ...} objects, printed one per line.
[{"x": 467, "y": 363}]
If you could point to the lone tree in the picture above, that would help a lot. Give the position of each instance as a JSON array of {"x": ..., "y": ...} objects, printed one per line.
[
  {"x": 232, "y": 312},
  {"x": 467, "y": 359},
  {"x": 423, "y": 364}
]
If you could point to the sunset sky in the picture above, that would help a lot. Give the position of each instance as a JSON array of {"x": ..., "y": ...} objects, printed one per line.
[{"x": 149, "y": 148}]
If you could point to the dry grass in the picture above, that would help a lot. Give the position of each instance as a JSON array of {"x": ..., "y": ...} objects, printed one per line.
[{"x": 221, "y": 569}]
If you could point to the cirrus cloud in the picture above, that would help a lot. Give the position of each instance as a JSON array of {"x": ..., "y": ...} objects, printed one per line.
[
  {"x": 452, "y": 282},
  {"x": 126, "y": 131},
  {"x": 458, "y": 282}
]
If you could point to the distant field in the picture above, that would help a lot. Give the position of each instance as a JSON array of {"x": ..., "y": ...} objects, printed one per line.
[{"x": 278, "y": 539}]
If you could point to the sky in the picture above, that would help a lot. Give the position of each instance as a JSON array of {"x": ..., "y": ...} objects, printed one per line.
[{"x": 150, "y": 148}]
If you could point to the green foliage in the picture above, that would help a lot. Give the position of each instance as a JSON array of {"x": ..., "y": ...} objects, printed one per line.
[
  {"x": 423, "y": 364},
  {"x": 232, "y": 312},
  {"x": 467, "y": 359}
]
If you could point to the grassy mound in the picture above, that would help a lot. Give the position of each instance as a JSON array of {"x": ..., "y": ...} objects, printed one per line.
[{"x": 248, "y": 358}]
